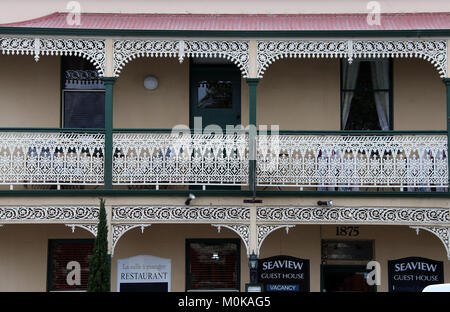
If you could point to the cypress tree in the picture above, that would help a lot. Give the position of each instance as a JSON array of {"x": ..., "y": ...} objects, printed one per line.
[{"x": 100, "y": 263}]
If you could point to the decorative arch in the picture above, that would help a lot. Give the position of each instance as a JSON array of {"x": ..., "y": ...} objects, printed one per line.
[
  {"x": 443, "y": 233},
  {"x": 431, "y": 50},
  {"x": 118, "y": 230},
  {"x": 236, "y": 51},
  {"x": 243, "y": 230},
  {"x": 94, "y": 50},
  {"x": 91, "y": 228},
  {"x": 265, "y": 230}
]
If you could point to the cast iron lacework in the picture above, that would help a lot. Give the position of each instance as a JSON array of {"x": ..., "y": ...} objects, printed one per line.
[
  {"x": 200, "y": 214},
  {"x": 51, "y": 158},
  {"x": 189, "y": 159},
  {"x": 243, "y": 230},
  {"x": 354, "y": 215},
  {"x": 443, "y": 233},
  {"x": 93, "y": 50},
  {"x": 236, "y": 51},
  {"x": 18, "y": 214},
  {"x": 434, "y": 51},
  {"x": 92, "y": 228},
  {"x": 118, "y": 230},
  {"x": 400, "y": 161},
  {"x": 265, "y": 229}
]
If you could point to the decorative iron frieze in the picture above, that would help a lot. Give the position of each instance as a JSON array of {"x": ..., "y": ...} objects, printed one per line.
[
  {"x": 243, "y": 230},
  {"x": 353, "y": 215},
  {"x": 236, "y": 51},
  {"x": 443, "y": 233},
  {"x": 198, "y": 214},
  {"x": 92, "y": 228},
  {"x": 93, "y": 50},
  {"x": 62, "y": 214},
  {"x": 265, "y": 229},
  {"x": 118, "y": 230},
  {"x": 432, "y": 50}
]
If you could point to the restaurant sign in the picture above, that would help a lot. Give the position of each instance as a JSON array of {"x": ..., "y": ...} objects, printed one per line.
[{"x": 284, "y": 273}]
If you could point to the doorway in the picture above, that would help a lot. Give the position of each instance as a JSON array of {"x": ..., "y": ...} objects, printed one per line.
[{"x": 344, "y": 278}]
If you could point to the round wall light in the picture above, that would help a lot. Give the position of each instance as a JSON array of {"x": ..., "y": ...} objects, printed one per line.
[{"x": 150, "y": 83}]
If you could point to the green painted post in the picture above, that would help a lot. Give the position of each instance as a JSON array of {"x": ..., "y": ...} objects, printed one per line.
[
  {"x": 252, "y": 84},
  {"x": 447, "y": 85},
  {"x": 108, "y": 154}
]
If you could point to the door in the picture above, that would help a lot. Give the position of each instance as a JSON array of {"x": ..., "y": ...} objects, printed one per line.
[
  {"x": 215, "y": 95},
  {"x": 344, "y": 278}
]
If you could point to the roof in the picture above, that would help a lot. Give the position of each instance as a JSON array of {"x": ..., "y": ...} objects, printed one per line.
[{"x": 241, "y": 22}]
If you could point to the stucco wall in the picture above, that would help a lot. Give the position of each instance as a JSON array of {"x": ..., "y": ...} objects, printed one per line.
[
  {"x": 26, "y": 9},
  {"x": 30, "y": 91}
]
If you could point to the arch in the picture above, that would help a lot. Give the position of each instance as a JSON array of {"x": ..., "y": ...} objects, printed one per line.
[
  {"x": 118, "y": 230},
  {"x": 431, "y": 50},
  {"x": 237, "y": 51},
  {"x": 265, "y": 230},
  {"x": 93, "y": 50},
  {"x": 243, "y": 230},
  {"x": 91, "y": 228},
  {"x": 443, "y": 233}
]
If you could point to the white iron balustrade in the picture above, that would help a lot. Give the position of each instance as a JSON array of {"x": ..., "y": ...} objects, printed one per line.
[
  {"x": 414, "y": 162},
  {"x": 175, "y": 159},
  {"x": 33, "y": 158}
]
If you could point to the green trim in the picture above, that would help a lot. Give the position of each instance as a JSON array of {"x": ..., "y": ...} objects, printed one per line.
[
  {"x": 10, "y": 129},
  {"x": 219, "y": 193},
  {"x": 108, "y": 160},
  {"x": 238, "y": 243},
  {"x": 222, "y": 33},
  {"x": 447, "y": 87},
  {"x": 50, "y": 255},
  {"x": 363, "y": 132},
  {"x": 252, "y": 122}
]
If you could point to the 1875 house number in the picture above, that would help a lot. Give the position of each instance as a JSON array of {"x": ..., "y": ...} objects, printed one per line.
[{"x": 347, "y": 230}]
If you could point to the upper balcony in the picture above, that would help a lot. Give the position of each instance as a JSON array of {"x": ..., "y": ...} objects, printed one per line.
[{"x": 375, "y": 125}]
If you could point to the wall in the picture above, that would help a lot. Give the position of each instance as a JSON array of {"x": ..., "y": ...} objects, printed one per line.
[
  {"x": 30, "y": 91},
  {"x": 18, "y": 10}
]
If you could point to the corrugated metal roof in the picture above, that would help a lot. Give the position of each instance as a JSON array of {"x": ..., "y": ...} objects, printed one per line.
[{"x": 242, "y": 22}]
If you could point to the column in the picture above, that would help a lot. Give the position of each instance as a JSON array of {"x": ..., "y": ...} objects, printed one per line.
[
  {"x": 108, "y": 153},
  {"x": 252, "y": 84},
  {"x": 447, "y": 87}
]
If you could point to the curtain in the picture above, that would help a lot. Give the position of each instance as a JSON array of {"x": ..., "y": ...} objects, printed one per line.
[
  {"x": 349, "y": 79},
  {"x": 380, "y": 76}
]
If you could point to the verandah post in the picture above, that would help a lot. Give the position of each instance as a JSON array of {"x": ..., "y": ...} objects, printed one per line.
[
  {"x": 108, "y": 153},
  {"x": 252, "y": 84},
  {"x": 447, "y": 87}
]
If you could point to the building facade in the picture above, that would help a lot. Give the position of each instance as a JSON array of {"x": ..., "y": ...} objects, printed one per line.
[{"x": 214, "y": 136}]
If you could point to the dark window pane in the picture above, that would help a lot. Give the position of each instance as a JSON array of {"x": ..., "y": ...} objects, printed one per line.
[
  {"x": 347, "y": 250},
  {"x": 84, "y": 109},
  {"x": 215, "y": 94},
  {"x": 213, "y": 265}
]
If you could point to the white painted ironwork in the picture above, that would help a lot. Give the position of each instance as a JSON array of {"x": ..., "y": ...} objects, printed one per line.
[
  {"x": 189, "y": 159},
  {"x": 118, "y": 230},
  {"x": 353, "y": 215},
  {"x": 243, "y": 230},
  {"x": 236, "y": 51},
  {"x": 178, "y": 214},
  {"x": 93, "y": 50},
  {"x": 48, "y": 214},
  {"x": 51, "y": 158},
  {"x": 400, "y": 161},
  {"x": 265, "y": 229},
  {"x": 432, "y": 50},
  {"x": 443, "y": 233},
  {"x": 92, "y": 228}
]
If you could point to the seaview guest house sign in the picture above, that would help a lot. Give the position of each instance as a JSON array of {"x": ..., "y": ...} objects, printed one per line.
[
  {"x": 413, "y": 274},
  {"x": 284, "y": 273},
  {"x": 143, "y": 274}
]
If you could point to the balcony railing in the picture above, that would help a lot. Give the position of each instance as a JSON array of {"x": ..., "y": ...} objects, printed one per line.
[
  {"x": 400, "y": 161},
  {"x": 349, "y": 162},
  {"x": 51, "y": 157}
]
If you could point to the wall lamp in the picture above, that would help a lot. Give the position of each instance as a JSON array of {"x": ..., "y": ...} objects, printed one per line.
[
  {"x": 328, "y": 203},
  {"x": 188, "y": 200}
]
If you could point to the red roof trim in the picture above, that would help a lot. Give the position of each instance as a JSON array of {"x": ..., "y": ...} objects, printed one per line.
[{"x": 241, "y": 22}]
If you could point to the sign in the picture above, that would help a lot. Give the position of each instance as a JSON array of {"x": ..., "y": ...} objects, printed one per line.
[
  {"x": 284, "y": 273},
  {"x": 143, "y": 274},
  {"x": 413, "y": 274}
]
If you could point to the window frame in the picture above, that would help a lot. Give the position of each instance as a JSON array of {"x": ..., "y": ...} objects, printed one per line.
[{"x": 390, "y": 90}]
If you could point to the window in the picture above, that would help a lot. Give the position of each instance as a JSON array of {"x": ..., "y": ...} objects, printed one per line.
[
  {"x": 68, "y": 264},
  {"x": 83, "y": 94},
  {"x": 212, "y": 264},
  {"x": 366, "y": 95},
  {"x": 352, "y": 250}
]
